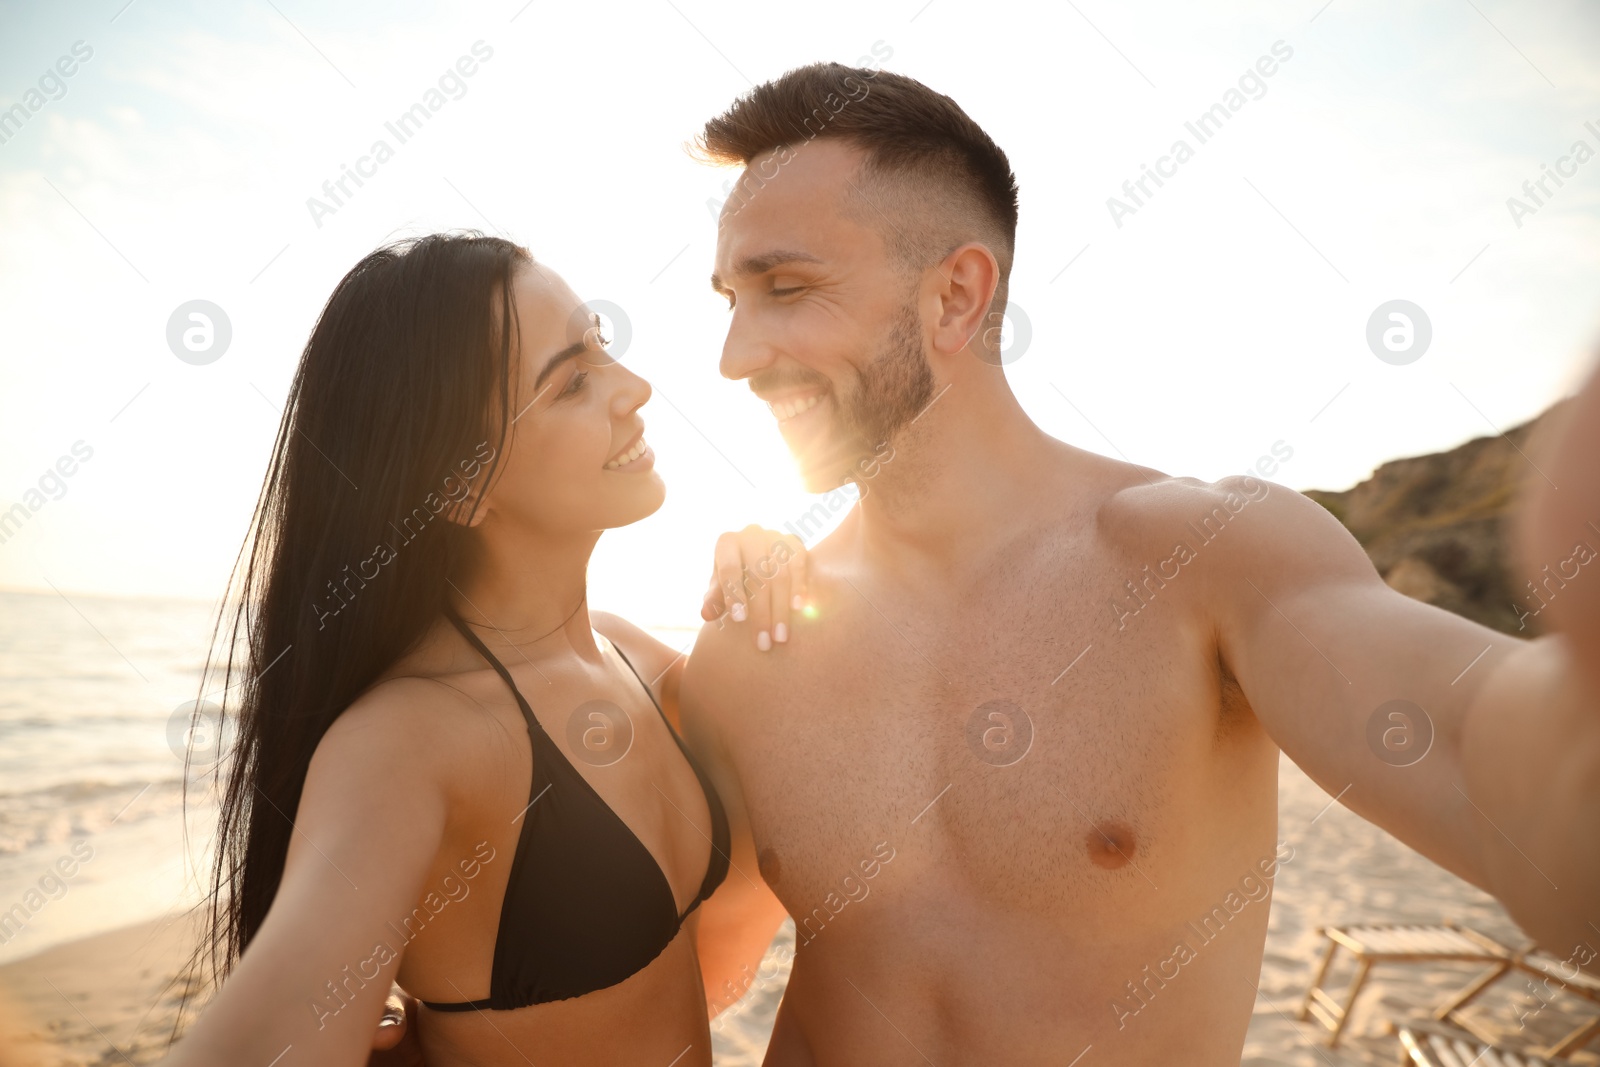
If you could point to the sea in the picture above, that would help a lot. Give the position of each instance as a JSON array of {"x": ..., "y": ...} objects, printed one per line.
[
  {"x": 96, "y": 832},
  {"x": 92, "y": 777},
  {"x": 97, "y": 696}
]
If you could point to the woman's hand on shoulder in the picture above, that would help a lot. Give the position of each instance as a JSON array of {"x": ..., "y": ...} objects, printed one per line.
[{"x": 758, "y": 576}]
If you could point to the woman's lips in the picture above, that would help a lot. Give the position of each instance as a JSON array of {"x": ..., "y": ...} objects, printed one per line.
[{"x": 636, "y": 456}]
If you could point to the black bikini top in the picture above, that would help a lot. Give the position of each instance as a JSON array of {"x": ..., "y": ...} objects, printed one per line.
[{"x": 587, "y": 905}]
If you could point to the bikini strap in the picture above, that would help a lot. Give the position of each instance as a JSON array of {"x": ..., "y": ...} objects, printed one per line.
[
  {"x": 499, "y": 995},
  {"x": 499, "y": 668},
  {"x": 720, "y": 842},
  {"x": 647, "y": 690}
]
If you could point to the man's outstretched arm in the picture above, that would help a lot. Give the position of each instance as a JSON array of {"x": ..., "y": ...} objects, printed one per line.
[
  {"x": 1481, "y": 751},
  {"x": 1543, "y": 709}
]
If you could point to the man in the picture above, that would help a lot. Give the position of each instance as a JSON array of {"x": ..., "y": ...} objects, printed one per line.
[{"x": 1015, "y": 774}]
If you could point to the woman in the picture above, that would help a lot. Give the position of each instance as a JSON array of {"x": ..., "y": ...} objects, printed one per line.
[{"x": 444, "y": 775}]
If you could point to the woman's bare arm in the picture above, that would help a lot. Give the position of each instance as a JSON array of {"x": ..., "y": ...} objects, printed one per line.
[{"x": 370, "y": 823}]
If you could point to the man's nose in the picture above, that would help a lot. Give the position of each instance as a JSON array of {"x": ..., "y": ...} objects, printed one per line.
[{"x": 745, "y": 351}]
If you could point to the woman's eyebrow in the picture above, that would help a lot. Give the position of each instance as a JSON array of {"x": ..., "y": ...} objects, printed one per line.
[{"x": 572, "y": 351}]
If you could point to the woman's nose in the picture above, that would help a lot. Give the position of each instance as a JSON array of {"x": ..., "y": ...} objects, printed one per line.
[{"x": 633, "y": 392}]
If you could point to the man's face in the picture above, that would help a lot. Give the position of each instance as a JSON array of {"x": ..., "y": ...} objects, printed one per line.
[{"x": 825, "y": 327}]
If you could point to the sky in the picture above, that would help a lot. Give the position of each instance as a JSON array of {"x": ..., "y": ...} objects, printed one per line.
[{"x": 1192, "y": 326}]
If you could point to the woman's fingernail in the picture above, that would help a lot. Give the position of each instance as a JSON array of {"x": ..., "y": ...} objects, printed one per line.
[
  {"x": 799, "y": 602},
  {"x": 780, "y": 632},
  {"x": 764, "y": 641},
  {"x": 737, "y": 611}
]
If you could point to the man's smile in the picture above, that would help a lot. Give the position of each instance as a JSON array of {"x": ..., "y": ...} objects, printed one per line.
[{"x": 789, "y": 407}]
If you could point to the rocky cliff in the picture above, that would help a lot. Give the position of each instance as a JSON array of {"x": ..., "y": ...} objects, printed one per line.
[{"x": 1436, "y": 526}]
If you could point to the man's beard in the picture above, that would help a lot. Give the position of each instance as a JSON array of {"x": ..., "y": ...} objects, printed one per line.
[{"x": 892, "y": 391}]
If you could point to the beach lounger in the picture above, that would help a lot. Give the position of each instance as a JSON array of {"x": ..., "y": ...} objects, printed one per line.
[
  {"x": 1398, "y": 943},
  {"x": 1437, "y": 1046},
  {"x": 1552, "y": 972}
]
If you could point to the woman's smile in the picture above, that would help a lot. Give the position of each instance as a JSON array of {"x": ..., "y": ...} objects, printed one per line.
[{"x": 635, "y": 458}]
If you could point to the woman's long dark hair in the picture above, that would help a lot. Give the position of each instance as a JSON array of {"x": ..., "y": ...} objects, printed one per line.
[{"x": 401, "y": 399}]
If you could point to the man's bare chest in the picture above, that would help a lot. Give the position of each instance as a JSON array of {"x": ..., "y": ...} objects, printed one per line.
[{"x": 1028, "y": 749}]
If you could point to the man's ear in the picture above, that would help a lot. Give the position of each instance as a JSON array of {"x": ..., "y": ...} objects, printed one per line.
[{"x": 967, "y": 281}]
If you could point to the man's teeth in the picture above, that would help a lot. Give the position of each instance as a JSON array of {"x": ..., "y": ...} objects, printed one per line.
[
  {"x": 629, "y": 456},
  {"x": 788, "y": 409}
]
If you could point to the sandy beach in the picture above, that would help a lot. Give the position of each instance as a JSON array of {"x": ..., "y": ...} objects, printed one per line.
[{"x": 112, "y": 997}]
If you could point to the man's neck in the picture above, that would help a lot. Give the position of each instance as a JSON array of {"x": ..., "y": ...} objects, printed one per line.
[{"x": 968, "y": 464}]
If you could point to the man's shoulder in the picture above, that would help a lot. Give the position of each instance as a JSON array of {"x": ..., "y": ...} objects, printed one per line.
[
  {"x": 1243, "y": 521},
  {"x": 725, "y": 669},
  {"x": 1122, "y": 499},
  {"x": 723, "y": 656},
  {"x": 1144, "y": 500}
]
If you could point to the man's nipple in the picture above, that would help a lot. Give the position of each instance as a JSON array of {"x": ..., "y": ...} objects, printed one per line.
[{"x": 1111, "y": 844}]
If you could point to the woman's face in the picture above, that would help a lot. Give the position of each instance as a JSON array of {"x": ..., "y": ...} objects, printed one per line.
[{"x": 575, "y": 460}]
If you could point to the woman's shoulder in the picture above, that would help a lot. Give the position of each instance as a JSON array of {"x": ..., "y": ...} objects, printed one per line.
[
  {"x": 432, "y": 685},
  {"x": 415, "y": 700},
  {"x": 635, "y": 642},
  {"x": 655, "y": 661},
  {"x": 417, "y": 717},
  {"x": 387, "y": 752}
]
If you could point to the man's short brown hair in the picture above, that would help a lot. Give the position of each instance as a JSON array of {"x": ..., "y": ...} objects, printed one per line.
[{"x": 931, "y": 179}]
